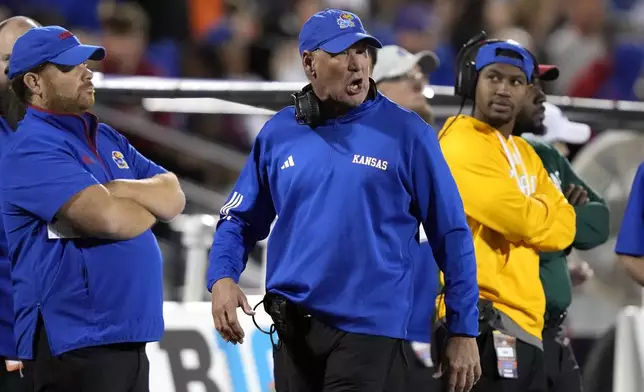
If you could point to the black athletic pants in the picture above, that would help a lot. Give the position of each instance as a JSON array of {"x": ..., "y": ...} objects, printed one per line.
[
  {"x": 15, "y": 381},
  {"x": 110, "y": 368},
  {"x": 420, "y": 378},
  {"x": 312, "y": 356},
  {"x": 562, "y": 369}
]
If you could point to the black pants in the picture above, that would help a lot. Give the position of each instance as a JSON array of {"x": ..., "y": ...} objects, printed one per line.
[
  {"x": 420, "y": 378},
  {"x": 598, "y": 368},
  {"x": 530, "y": 365},
  {"x": 562, "y": 369},
  {"x": 109, "y": 368},
  {"x": 314, "y": 357},
  {"x": 15, "y": 381}
]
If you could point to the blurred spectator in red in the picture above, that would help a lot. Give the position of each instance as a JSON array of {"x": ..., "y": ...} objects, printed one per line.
[
  {"x": 125, "y": 37},
  {"x": 580, "y": 45}
]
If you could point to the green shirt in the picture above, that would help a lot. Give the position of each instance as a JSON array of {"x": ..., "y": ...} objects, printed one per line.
[{"x": 592, "y": 229}]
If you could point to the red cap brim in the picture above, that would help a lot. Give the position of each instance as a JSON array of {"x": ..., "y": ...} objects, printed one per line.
[{"x": 548, "y": 72}]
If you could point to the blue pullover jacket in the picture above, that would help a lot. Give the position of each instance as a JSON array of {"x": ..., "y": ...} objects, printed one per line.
[{"x": 349, "y": 196}]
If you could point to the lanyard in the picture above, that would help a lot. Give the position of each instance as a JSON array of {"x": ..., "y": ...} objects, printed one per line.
[{"x": 515, "y": 160}]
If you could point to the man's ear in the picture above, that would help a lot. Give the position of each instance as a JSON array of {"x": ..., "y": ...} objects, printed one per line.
[
  {"x": 308, "y": 63},
  {"x": 33, "y": 82}
]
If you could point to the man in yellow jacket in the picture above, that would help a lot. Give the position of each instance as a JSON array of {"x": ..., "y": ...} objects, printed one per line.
[{"x": 513, "y": 208}]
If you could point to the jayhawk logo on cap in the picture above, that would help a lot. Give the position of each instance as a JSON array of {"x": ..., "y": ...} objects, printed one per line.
[
  {"x": 119, "y": 159},
  {"x": 346, "y": 20}
]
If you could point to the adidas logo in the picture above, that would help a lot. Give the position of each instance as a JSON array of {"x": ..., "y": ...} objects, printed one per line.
[{"x": 289, "y": 162}]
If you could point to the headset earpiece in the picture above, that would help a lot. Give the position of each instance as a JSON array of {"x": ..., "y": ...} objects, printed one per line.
[
  {"x": 307, "y": 107},
  {"x": 466, "y": 69}
]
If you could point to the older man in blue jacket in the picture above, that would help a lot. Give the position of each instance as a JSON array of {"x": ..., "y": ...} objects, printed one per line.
[
  {"x": 78, "y": 202},
  {"x": 350, "y": 176}
]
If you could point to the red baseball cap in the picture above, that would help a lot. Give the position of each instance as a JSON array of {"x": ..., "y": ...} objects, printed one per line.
[{"x": 548, "y": 73}]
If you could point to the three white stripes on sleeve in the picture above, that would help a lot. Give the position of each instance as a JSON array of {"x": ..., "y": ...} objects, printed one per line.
[
  {"x": 237, "y": 198},
  {"x": 234, "y": 202}
]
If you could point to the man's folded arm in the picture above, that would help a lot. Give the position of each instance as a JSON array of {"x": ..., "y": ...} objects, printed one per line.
[
  {"x": 41, "y": 177},
  {"x": 94, "y": 212},
  {"x": 156, "y": 189},
  {"x": 561, "y": 232},
  {"x": 160, "y": 194},
  {"x": 493, "y": 198}
]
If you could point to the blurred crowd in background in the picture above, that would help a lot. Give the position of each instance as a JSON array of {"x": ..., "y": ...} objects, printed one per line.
[
  {"x": 594, "y": 42},
  {"x": 597, "y": 44}
]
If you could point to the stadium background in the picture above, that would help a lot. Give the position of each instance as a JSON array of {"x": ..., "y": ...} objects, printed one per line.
[{"x": 245, "y": 51}]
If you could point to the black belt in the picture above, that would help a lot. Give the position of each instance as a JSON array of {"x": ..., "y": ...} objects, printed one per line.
[
  {"x": 488, "y": 317},
  {"x": 487, "y": 313},
  {"x": 553, "y": 319}
]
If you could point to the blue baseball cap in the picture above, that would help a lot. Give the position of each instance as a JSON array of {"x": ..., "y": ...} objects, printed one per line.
[
  {"x": 333, "y": 31},
  {"x": 489, "y": 54},
  {"x": 52, "y": 44}
]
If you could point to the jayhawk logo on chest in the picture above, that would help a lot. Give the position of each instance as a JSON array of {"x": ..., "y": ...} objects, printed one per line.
[{"x": 119, "y": 159}]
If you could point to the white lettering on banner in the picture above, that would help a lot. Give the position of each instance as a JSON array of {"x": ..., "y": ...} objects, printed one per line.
[
  {"x": 370, "y": 161},
  {"x": 193, "y": 358}
]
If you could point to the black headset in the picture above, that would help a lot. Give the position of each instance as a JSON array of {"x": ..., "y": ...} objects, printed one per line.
[
  {"x": 466, "y": 74},
  {"x": 307, "y": 107}
]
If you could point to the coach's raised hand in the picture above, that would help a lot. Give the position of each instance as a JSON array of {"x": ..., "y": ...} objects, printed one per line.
[{"x": 227, "y": 296}]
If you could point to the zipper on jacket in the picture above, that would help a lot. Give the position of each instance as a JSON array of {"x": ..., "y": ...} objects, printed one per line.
[{"x": 94, "y": 148}]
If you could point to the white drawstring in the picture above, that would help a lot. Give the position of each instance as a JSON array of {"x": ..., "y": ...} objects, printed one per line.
[{"x": 515, "y": 161}]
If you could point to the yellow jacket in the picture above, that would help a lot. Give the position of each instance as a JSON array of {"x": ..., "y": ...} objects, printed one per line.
[{"x": 514, "y": 211}]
